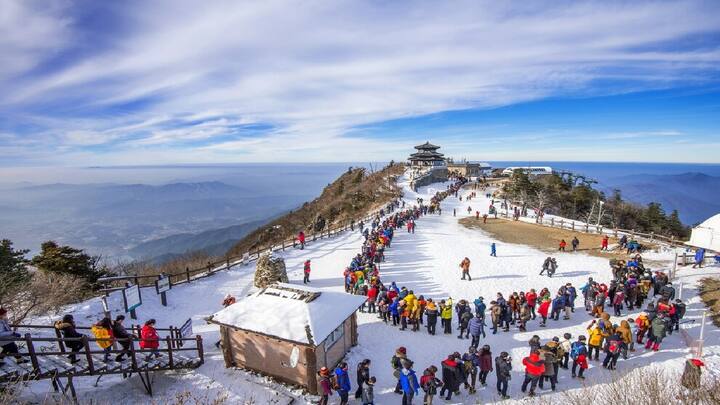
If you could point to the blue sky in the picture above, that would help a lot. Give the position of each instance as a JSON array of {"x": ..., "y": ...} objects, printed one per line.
[{"x": 124, "y": 83}]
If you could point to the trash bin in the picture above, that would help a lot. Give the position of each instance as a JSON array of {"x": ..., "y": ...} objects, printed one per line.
[{"x": 691, "y": 374}]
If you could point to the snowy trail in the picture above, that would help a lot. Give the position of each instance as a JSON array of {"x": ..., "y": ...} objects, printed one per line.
[{"x": 426, "y": 262}]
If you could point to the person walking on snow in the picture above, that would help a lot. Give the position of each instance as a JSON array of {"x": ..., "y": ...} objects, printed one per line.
[
  {"x": 342, "y": 381},
  {"x": 699, "y": 257},
  {"x": 493, "y": 250},
  {"x": 306, "y": 271},
  {"x": 301, "y": 239},
  {"x": 465, "y": 266},
  {"x": 575, "y": 243},
  {"x": 562, "y": 245}
]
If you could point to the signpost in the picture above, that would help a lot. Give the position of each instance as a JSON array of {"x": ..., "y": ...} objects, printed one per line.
[
  {"x": 131, "y": 299},
  {"x": 185, "y": 330},
  {"x": 162, "y": 285}
]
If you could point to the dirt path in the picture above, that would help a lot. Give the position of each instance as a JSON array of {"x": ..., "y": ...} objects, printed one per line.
[{"x": 541, "y": 237}]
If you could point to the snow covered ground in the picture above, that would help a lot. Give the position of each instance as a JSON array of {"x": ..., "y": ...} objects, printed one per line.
[{"x": 426, "y": 262}]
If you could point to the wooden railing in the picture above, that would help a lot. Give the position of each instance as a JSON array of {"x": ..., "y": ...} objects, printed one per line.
[{"x": 117, "y": 283}]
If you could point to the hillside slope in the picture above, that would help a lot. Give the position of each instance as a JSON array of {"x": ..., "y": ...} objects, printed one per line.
[{"x": 352, "y": 196}]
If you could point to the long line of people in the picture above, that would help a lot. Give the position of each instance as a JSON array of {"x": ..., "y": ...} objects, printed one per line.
[{"x": 630, "y": 286}]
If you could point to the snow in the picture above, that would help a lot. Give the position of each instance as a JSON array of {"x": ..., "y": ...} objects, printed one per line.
[
  {"x": 281, "y": 313},
  {"x": 426, "y": 262}
]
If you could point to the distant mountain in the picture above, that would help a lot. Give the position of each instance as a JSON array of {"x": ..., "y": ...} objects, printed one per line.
[
  {"x": 696, "y": 196},
  {"x": 215, "y": 242}
]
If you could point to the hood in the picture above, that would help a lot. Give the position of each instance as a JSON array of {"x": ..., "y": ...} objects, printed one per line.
[
  {"x": 624, "y": 324},
  {"x": 535, "y": 357}
]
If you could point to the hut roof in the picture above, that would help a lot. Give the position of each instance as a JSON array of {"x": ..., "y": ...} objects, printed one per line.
[
  {"x": 427, "y": 145},
  {"x": 290, "y": 311}
]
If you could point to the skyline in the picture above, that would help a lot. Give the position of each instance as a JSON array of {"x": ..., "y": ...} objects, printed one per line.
[{"x": 93, "y": 84}]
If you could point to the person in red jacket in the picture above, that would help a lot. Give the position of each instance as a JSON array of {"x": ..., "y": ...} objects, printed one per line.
[
  {"x": 531, "y": 298},
  {"x": 534, "y": 369},
  {"x": 301, "y": 239},
  {"x": 543, "y": 310},
  {"x": 149, "y": 339},
  {"x": 372, "y": 298},
  {"x": 604, "y": 243},
  {"x": 306, "y": 271},
  {"x": 562, "y": 245}
]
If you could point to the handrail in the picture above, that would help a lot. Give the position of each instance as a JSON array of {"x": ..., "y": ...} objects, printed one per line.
[{"x": 190, "y": 275}]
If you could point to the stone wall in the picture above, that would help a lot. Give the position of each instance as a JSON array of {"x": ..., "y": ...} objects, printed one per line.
[{"x": 269, "y": 270}]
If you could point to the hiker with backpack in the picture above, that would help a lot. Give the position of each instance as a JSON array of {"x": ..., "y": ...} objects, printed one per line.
[
  {"x": 430, "y": 384},
  {"x": 396, "y": 363},
  {"x": 362, "y": 376},
  {"x": 613, "y": 347},
  {"x": 579, "y": 355},
  {"x": 470, "y": 364}
]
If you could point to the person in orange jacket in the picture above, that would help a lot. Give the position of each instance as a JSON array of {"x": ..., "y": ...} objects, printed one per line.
[{"x": 562, "y": 245}]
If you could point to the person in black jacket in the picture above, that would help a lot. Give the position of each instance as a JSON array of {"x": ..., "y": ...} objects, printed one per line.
[
  {"x": 67, "y": 327},
  {"x": 121, "y": 336},
  {"x": 679, "y": 313},
  {"x": 503, "y": 367},
  {"x": 363, "y": 376},
  {"x": 451, "y": 377}
]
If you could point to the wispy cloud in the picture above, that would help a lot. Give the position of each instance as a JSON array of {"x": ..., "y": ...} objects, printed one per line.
[{"x": 188, "y": 75}]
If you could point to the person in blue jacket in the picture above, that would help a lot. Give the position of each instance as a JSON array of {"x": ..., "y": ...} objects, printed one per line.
[
  {"x": 480, "y": 306},
  {"x": 558, "y": 304},
  {"x": 699, "y": 257},
  {"x": 342, "y": 379},
  {"x": 395, "y": 314},
  {"x": 493, "y": 250},
  {"x": 409, "y": 382}
]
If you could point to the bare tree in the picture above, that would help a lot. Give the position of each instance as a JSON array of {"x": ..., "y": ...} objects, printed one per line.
[{"x": 541, "y": 200}]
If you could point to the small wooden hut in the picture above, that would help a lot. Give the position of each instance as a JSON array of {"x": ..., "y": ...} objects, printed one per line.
[{"x": 289, "y": 332}]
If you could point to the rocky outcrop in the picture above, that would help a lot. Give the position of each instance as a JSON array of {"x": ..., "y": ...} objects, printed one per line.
[{"x": 269, "y": 270}]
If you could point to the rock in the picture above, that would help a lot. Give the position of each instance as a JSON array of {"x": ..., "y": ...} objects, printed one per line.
[{"x": 269, "y": 270}]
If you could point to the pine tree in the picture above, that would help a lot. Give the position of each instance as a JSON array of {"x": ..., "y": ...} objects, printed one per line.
[
  {"x": 14, "y": 273},
  {"x": 54, "y": 258}
]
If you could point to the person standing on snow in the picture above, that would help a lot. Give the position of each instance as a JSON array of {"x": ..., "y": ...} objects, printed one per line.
[
  {"x": 605, "y": 242},
  {"x": 534, "y": 369},
  {"x": 396, "y": 362},
  {"x": 562, "y": 245},
  {"x": 306, "y": 271},
  {"x": 301, "y": 239},
  {"x": 325, "y": 385},
  {"x": 476, "y": 327},
  {"x": 699, "y": 257},
  {"x": 493, "y": 250},
  {"x": 503, "y": 368},
  {"x": 409, "y": 382},
  {"x": 342, "y": 382},
  {"x": 465, "y": 266}
]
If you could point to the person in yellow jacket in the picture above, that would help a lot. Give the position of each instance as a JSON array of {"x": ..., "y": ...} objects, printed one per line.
[
  {"x": 446, "y": 316},
  {"x": 411, "y": 300},
  {"x": 103, "y": 332},
  {"x": 595, "y": 340}
]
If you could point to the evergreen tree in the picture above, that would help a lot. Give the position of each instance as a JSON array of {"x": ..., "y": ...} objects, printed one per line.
[
  {"x": 54, "y": 258},
  {"x": 14, "y": 273}
]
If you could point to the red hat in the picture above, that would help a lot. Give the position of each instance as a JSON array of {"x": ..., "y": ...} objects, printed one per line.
[
  {"x": 324, "y": 371},
  {"x": 402, "y": 350}
]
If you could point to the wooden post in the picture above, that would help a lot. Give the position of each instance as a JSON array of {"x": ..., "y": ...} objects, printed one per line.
[
  {"x": 198, "y": 340},
  {"x": 552, "y": 221},
  {"x": 168, "y": 340},
  {"x": 187, "y": 274},
  {"x": 61, "y": 344},
  {"x": 88, "y": 355},
  {"x": 136, "y": 279},
  {"x": 587, "y": 228},
  {"x": 133, "y": 357},
  {"x": 31, "y": 352},
  {"x": 573, "y": 225}
]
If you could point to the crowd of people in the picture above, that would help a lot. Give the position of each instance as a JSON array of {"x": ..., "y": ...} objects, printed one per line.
[{"x": 631, "y": 286}]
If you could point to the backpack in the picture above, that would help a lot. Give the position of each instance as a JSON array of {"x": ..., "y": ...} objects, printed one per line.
[
  {"x": 575, "y": 350},
  {"x": 613, "y": 346}
]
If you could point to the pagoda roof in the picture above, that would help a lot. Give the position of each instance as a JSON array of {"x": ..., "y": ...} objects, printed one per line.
[
  {"x": 427, "y": 146},
  {"x": 427, "y": 155}
]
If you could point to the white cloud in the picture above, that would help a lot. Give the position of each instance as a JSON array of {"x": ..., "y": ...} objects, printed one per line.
[{"x": 315, "y": 69}]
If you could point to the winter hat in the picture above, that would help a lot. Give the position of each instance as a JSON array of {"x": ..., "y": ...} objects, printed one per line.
[
  {"x": 567, "y": 336},
  {"x": 504, "y": 355},
  {"x": 402, "y": 350},
  {"x": 581, "y": 337},
  {"x": 324, "y": 371},
  {"x": 555, "y": 339}
]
